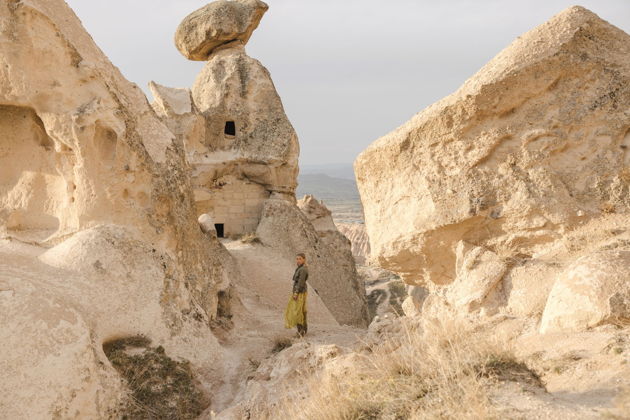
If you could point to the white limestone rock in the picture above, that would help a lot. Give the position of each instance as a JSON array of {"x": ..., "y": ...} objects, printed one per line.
[
  {"x": 217, "y": 24},
  {"x": 594, "y": 290},
  {"x": 332, "y": 271},
  {"x": 530, "y": 147},
  {"x": 207, "y": 224},
  {"x": 235, "y": 92},
  {"x": 317, "y": 213},
  {"x": 170, "y": 101},
  {"x": 87, "y": 167},
  {"x": 47, "y": 350},
  {"x": 478, "y": 273},
  {"x": 357, "y": 235}
]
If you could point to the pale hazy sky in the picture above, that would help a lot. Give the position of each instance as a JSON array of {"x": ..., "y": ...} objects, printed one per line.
[{"x": 348, "y": 71}]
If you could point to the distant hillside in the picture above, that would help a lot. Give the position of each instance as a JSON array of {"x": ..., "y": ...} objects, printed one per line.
[
  {"x": 340, "y": 195},
  {"x": 327, "y": 187},
  {"x": 335, "y": 170}
]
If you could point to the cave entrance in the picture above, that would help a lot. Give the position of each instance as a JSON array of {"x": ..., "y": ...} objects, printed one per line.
[
  {"x": 220, "y": 228},
  {"x": 230, "y": 128}
]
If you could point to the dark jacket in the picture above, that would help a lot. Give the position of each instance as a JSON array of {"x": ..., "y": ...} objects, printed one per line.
[{"x": 299, "y": 279}]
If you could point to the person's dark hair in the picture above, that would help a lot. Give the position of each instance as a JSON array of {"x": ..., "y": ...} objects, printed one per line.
[{"x": 301, "y": 254}]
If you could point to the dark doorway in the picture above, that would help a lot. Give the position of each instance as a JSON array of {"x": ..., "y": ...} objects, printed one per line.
[
  {"x": 230, "y": 128},
  {"x": 220, "y": 230}
]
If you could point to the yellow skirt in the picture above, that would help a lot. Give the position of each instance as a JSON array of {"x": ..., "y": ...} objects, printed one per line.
[{"x": 295, "y": 314}]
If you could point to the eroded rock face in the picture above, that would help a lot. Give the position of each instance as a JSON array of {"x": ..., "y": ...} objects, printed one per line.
[
  {"x": 247, "y": 131},
  {"x": 594, "y": 290},
  {"x": 317, "y": 213},
  {"x": 332, "y": 271},
  {"x": 238, "y": 140},
  {"x": 357, "y": 235},
  {"x": 87, "y": 167},
  {"x": 217, "y": 24},
  {"x": 47, "y": 351},
  {"x": 84, "y": 147},
  {"x": 478, "y": 273},
  {"x": 533, "y": 145}
]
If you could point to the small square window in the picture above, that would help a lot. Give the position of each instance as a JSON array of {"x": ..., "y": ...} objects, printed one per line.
[{"x": 230, "y": 128}]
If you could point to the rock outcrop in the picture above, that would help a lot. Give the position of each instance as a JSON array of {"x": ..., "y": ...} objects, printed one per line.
[
  {"x": 317, "y": 213},
  {"x": 533, "y": 146},
  {"x": 243, "y": 152},
  {"x": 593, "y": 290},
  {"x": 357, "y": 235},
  {"x": 238, "y": 140},
  {"x": 218, "y": 24},
  {"x": 87, "y": 167},
  {"x": 247, "y": 133},
  {"x": 332, "y": 270}
]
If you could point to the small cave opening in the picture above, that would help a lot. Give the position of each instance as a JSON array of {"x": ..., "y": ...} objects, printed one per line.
[
  {"x": 220, "y": 228},
  {"x": 230, "y": 128}
]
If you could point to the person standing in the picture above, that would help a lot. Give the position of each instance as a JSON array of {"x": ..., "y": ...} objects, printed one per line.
[{"x": 295, "y": 314}]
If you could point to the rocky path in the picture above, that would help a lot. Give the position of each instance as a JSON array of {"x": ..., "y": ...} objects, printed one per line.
[{"x": 263, "y": 290}]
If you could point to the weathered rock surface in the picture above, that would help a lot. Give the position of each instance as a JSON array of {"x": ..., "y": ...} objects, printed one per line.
[
  {"x": 478, "y": 273},
  {"x": 332, "y": 271},
  {"x": 238, "y": 140},
  {"x": 595, "y": 289},
  {"x": 233, "y": 87},
  {"x": 357, "y": 235},
  {"x": 317, "y": 213},
  {"x": 217, "y": 24},
  {"x": 533, "y": 145},
  {"x": 85, "y": 165}
]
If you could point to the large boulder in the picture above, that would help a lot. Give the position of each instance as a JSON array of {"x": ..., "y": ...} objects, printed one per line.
[
  {"x": 48, "y": 351},
  {"x": 594, "y": 290},
  {"x": 479, "y": 271},
  {"x": 332, "y": 271},
  {"x": 317, "y": 213},
  {"x": 216, "y": 24},
  {"x": 533, "y": 145}
]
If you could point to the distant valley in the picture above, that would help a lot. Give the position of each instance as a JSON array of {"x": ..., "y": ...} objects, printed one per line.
[{"x": 335, "y": 185}]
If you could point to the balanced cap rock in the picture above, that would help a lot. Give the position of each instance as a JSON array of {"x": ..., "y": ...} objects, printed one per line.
[{"x": 216, "y": 24}]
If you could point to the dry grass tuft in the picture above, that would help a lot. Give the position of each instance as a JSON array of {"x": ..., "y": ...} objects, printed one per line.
[
  {"x": 160, "y": 387},
  {"x": 443, "y": 372},
  {"x": 281, "y": 343}
]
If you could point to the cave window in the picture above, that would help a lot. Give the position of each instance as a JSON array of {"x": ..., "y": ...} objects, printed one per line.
[
  {"x": 230, "y": 128},
  {"x": 219, "y": 227}
]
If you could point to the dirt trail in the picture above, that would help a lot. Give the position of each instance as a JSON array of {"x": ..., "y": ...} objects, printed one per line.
[{"x": 263, "y": 291}]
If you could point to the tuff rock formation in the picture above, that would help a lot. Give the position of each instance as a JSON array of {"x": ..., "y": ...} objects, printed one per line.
[
  {"x": 317, "y": 213},
  {"x": 489, "y": 180},
  {"x": 218, "y": 24},
  {"x": 332, "y": 270},
  {"x": 243, "y": 152},
  {"x": 238, "y": 140},
  {"x": 357, "y": 235},
  {"x": 593, "y": 290},
  {"x": 87, "y": 169}
]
